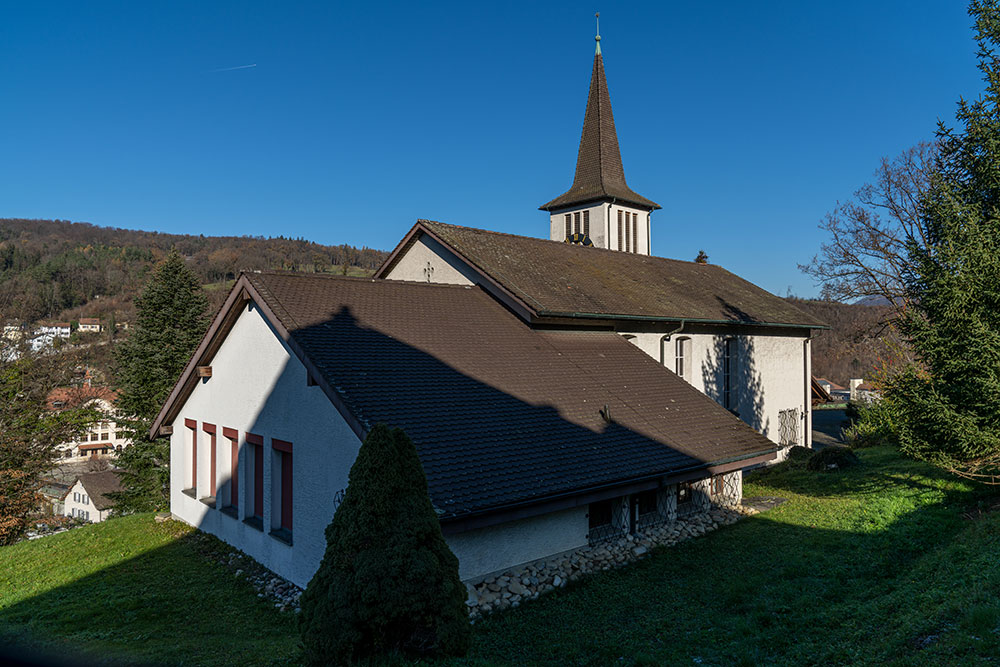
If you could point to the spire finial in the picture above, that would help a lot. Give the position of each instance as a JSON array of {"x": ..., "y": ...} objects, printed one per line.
[{"x": 597, "y": 38}]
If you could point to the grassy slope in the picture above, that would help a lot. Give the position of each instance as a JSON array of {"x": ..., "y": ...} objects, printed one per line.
[
  {"x": 132, "y": 588},
  {"x": 858, "y": 567},
  {"x": 861, "y": 566}
]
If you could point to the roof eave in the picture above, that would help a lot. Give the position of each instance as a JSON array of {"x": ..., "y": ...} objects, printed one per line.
[
  {"x": 657, "y": 318},
  {"x": 244, "y": 291},
  {"x": 481, "y": 518}
]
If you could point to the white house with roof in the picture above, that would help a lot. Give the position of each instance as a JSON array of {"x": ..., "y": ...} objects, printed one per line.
[{"x": 87, "y": 498}]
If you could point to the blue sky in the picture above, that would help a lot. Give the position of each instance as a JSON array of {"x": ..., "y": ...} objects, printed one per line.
[{"x": 746, "y": 121}]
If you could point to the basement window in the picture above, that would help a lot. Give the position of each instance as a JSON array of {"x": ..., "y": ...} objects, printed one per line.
[{"x": 601, "y": 521}]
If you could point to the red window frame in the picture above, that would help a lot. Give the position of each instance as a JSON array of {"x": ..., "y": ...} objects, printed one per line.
[
  {"x": 256, "y": 443},
  {"x": 210, "y": 429},
  {"x": 284, "y": 448},
  {"x": 234, "y": 465},
  {"x": 193, "y": 425}
]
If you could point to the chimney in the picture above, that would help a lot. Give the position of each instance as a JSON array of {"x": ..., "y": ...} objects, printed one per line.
[{"x": 854, "y": 384}]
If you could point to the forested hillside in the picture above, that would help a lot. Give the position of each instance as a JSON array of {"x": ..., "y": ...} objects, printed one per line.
[
  {"x": 54, "y": 269},
  {"x": 859, "y": 343}
]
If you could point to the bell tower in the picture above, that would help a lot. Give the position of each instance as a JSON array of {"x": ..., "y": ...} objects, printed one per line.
[{"x": 600, "y": 208}]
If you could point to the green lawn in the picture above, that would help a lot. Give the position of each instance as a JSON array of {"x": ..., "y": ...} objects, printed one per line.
[
  {"x": 131, "y": 588},
  {"x": 880, "y": 564}
]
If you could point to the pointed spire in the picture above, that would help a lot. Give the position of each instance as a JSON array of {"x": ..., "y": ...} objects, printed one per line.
[{"x": 599, "y": 171}]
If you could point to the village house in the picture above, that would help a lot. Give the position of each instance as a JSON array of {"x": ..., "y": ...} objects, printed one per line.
[
  {"x": 87, "y": 498},
  {"x": 560, "y": 392},
  {"x": 90, "y": 325}
]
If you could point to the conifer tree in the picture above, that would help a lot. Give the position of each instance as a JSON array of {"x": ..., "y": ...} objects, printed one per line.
[
  {"x": 170, "y": 321},
  {"x": 948, "y": 406},
  {"x": 388, "y": 583}
]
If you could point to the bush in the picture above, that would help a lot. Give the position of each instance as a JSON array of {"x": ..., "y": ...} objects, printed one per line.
[
  {"x": 799, "y": 453},
  {"x": 388, "y": 583},
  {"x": 872, "y": 424},
  {"x": 835, "y": 456}
]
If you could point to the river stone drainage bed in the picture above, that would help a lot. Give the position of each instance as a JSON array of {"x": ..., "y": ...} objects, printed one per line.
[{"x": 514, "y": 587}]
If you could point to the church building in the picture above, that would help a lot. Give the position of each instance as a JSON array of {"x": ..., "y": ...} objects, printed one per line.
[{"x": 560, "y": 392}]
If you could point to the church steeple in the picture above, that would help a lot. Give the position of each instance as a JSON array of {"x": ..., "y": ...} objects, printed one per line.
[
  {"x": 599, "y": 171},
  {"x": 599, "y": 191}
]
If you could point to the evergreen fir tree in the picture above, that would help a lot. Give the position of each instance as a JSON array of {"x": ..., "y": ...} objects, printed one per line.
[
  {"x": 170, "y": 321},
  {"x": 388, "y": 583},
  {"x": 947, "y": 403}
]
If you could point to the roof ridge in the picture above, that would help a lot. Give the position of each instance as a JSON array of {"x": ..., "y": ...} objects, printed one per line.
[
  {"x": 572, "y": 245},
  {"x": 366, "y": 279}
]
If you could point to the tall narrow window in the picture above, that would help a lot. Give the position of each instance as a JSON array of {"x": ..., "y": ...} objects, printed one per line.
[
  {"x": 620, "y": 236},
  {"x": 193, "y": 426},
  {"x": 682, "y": 358},
  {"x": 628, "y": 235},
  {"x": 635, "y": 232},
  {"x": 255, "y": 445},
  {"x": 728, "y": 374},
  {"x": 576, "y": 222},
  {"x": 233, "y": 436},
  {"x": 586, "y": 223},
  {"x": 284, "y": 494},
  {"x": 569, "y": 225},
  {"x": 210, "y": 430}
]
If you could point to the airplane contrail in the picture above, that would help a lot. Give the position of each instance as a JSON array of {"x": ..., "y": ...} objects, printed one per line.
[{"x": 230, "y": 69}]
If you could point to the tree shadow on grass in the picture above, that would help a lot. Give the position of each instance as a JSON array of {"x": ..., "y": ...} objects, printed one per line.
[{"x": 169, "y": 605}]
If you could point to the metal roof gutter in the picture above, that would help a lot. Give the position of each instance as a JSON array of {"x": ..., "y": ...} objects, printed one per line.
[{"x": 658, "y": 318}]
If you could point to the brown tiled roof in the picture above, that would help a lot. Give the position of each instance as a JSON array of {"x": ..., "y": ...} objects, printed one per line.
[
  {"x": 555, "y": 279},
  {"x": 501, "y": 413},
  {"x": 98, "y": 484},
  {"x": 74, "y": 397},
  {"x": 90, "y": 320},
  {"x": 599, "y": 171}
]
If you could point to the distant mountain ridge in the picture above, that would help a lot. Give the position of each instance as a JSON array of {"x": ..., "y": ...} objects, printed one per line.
[{"x": 56, "y": 269}]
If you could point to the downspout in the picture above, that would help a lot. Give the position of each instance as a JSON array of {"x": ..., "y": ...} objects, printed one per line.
[
  {"x": 667, "y": 336},
  {"x": 807, "y": 414}
]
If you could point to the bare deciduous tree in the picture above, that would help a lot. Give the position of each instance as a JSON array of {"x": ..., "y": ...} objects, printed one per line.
[{"x": 866, "y": 255}]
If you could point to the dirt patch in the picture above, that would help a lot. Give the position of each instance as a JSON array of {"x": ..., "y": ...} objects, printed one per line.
[{"x": 764, "y": 503}]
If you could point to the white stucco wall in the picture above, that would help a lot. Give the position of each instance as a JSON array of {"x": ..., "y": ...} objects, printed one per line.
[
  {"x": 259, "y": 386},
  {"x": 771, "y": 374},
  {"x": 603, "y": 234},
  {"x": 427, "y": 261},
  {"x": 504, "y": 546}
]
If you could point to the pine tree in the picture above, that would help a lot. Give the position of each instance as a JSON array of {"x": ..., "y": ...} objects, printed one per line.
[
  {"x": 170, "y": 321},
  {"x": 388, "y": 583},
  {"x": 948, "y": 406}
]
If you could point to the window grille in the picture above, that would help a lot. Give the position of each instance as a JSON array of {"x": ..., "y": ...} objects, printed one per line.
[
  {"x": 635, "y": 232},
  {"x": 649, "y": 509},
  {"x": 569, "y": 225},
  {"x": 586, "y": 223},
  {"x": 620, "y": 233},
  {"x": 685, "y": 499},
  {"x": 788, "y": 427},
  {"x": 603, "y": 521},
  {"x": 576, "y": 222}
]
